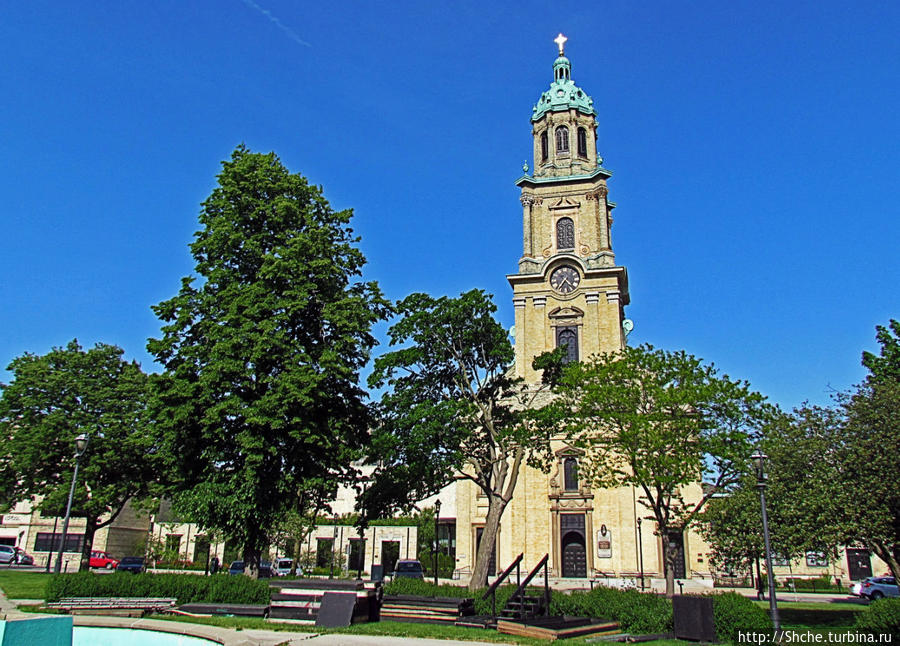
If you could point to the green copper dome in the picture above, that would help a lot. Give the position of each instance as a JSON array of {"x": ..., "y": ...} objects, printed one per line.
[{"x": 563, "y": 94}]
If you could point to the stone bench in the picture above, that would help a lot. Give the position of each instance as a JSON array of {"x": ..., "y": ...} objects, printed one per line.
[{"x": 122, "y": 606}]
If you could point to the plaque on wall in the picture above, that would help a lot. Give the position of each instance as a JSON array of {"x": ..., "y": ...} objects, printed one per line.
[{"x": 604, "y": 543}]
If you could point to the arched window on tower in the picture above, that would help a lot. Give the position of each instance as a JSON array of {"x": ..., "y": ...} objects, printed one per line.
[
  {"x": 545, "y": 148},
  {"x": 565, "y": 234},
  {"x": 562, "y": 139},
  {"x": 568, "y": 337},
  {"x": 570, "y": 474},
  {"x": 582, "y": 142}
]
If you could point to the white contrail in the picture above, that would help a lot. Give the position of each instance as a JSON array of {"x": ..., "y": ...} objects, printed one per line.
[{"x": 275, "y": 21}]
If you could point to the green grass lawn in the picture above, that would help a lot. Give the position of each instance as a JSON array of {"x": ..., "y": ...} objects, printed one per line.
[
  {"x": 23, "y": 585},
  {"x": 803, "y": 615},
  {"x": 816, "y": 617}
]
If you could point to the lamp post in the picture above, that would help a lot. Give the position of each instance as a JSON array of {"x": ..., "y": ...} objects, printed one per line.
[
  {"x": 640, "y": 553},
  {"x": 81, "y": 443},
  {"x": 333, "y": 547},
  {"x": 759, "y": 460},
  {"x": 437, "y": 543},
  {"x": 361, "y": 552}
]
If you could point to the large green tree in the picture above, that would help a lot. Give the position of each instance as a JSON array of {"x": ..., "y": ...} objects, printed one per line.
[
  {"x": 870, "y": 448},
  {"x": 451, "y": 410},
  {"x": 262, "y": 351},
  {"x": 804, "y": 497},
  {"x": 884, "y": 367},
  {"x": 833, "y": 472},
  {"x": 661, "y": 422},
  {"x": 51, "y": 400}
]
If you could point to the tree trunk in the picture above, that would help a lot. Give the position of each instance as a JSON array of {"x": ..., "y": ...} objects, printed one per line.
[
  {"x": 889, "y": 556},
  {"x": 87, "y": 545},
  {"x": 488, "y": 540},
  {"x": 669, "y": 553},
  {"x": 295, "y": 553},
  {"x": 251, "y": 555}
]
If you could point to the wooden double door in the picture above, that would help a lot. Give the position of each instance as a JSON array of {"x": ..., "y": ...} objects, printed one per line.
[{"x": 574, "y": 546}]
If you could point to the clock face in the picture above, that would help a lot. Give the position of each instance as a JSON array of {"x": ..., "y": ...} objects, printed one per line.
[{"x": 564, "y": 279}]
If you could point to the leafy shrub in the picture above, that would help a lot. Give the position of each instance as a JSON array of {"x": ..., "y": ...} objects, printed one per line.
[
  {"x": 824, "y": 583},
  {"x": 882, "y": 617},
  {"x": 179, "y": 564},
  {"x": 446, "y": 564},
  {"x": 636, "y": 612},
  {"x": 420, "y": 588},
  {"x": 734, "y": 613},
  {"x": 186, "y": 588}
]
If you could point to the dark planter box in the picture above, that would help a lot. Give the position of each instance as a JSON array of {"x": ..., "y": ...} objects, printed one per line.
[{"x": 693, "y": 618}]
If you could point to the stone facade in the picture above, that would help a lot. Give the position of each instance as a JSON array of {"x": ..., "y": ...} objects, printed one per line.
[{"x": 25, "y": 527}]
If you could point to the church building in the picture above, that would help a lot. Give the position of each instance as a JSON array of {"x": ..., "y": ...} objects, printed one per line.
[{"x": 568, "y": 291}]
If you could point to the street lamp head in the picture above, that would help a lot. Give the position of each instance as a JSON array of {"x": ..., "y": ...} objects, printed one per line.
[
  {"x": 759, "y": 461},
  {"x": 437, "y": 507},
  {"x": 81, "y": 443}
]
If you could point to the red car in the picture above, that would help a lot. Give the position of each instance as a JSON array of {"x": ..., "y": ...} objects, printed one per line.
[{"x": 104, "y": 560}]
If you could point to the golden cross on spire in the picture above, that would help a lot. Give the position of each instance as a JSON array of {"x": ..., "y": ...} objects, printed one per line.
[{"x": 560, "y": 41}]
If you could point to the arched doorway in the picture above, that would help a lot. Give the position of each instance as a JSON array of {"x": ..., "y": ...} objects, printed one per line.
[{"x": 574, "y": 556}]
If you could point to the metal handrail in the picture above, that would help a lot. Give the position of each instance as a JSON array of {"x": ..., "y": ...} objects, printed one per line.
[
  {"x": 492, "y": 589},
  {"x": 496, "y": 584},
  {"x": 520, "y": 591}
]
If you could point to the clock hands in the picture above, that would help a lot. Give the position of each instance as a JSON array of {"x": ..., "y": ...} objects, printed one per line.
[{"x": 564, "y": 280}]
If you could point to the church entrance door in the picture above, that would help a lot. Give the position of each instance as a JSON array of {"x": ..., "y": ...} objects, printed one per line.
[
  {"x": 390, "y": 554},
  {"x": 574, "y": 553},
  {"x": 676, "y": 539}
]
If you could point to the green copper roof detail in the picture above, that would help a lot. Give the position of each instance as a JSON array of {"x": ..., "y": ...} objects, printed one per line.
[
  {"x": 563, "y": 94},
  {"x": 530, "y": 179}
]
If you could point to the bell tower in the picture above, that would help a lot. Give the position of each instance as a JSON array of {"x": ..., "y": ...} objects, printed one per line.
[{"x": 568, "y": 290}]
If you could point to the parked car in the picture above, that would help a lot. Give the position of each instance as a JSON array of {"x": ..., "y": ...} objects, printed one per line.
[
  {"x": 133, "y": 564},
  {"x": 265, "y": 569},
  {"x": 104, "y": 560},
  {"x": 408, "y": 570},
  {"x": 879, "y": 587},
  {"x": 283, "y": 567},
  {"x": 7, "y": 554}
]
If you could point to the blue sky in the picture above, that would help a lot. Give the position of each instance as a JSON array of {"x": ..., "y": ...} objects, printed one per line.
[{"x": 755, "y": 148}]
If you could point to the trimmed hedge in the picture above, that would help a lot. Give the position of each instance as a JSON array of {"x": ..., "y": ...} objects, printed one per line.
[
  {"x": 418, "y": 587},
  {"x": 735, "y": 613},
  {"x": 881, "y": 618},
  {"x": 824, "y": 583},
  {"x": 186, "y": 588},
  {"x": 636, "y": 612}
]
